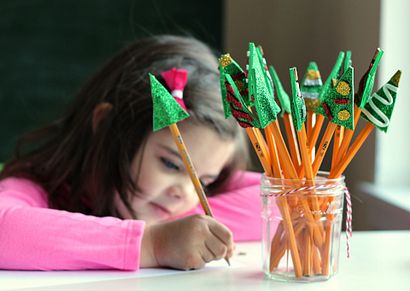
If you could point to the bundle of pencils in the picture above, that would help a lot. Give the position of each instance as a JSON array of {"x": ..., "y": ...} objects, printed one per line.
[{"x": 250, "y": 97}]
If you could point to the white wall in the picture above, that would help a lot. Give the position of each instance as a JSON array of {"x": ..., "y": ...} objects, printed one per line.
[{"x": 393, "y": 148}]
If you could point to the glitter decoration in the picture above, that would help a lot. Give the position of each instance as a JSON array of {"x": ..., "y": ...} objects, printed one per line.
[
  {"x": 263, "y": 62},
  {"x": 343, "y": 115},
  {"x": 366, "y": 83},
  {"x": 326, "y": 108},
  {"x": 166, "y": 109},
  {"x": 283, "y": 97},
  {"x": 297, "y": 102},
  {"x": 227, "y": 65},
  {"x": 312, "y": 103},
  {"x": 343, "y": 88},
  {"x": 260, "y": 89},
  {"x": 311, "y": 86},
  {"x": 238, "y": 106},
  {"x": 342, "y": 100},
  {"x": 380, "y": 105},
  {"x": 225, "y": 60},
  {"x": 338, "y": 102}
]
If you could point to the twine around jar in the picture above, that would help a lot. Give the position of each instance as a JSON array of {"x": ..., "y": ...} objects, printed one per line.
[{"x": 349, "y": 214}]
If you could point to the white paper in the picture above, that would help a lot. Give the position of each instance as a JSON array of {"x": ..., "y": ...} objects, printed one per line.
[{"x": 14, "y": 280}]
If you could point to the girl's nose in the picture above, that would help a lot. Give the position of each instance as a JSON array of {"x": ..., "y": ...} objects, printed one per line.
[
  {"x": 183, "y": 191},
  {"x": 175, "y": 193}
]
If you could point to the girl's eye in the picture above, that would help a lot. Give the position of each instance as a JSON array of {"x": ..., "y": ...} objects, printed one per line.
[
  {"x": 206, "y": 182},
  {"x": 169, "y": 165}
]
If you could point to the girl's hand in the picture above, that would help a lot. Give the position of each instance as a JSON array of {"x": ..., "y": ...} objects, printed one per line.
[{"x": 186, "y": 243}]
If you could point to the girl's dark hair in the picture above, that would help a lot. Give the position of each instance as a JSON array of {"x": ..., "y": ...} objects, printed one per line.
[{"x": 81, "y": 169}]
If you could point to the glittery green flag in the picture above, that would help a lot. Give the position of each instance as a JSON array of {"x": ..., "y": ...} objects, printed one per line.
[
  {"x": 264, "y": 64},
  {"x": 379, "y": 107},
  {"x": 366, "y": 83},
  {"x": 283, "y": 97},
  {"x": 347, "y": 61},
  {"x": 227, "y": 111},
  {"x": 227, "y": 65},
  {"x": 166, "y": 110},
  {"x": 311, "y": 86},
  {"x": 334, "y": 74},
  {"x": 338, "y": 104},
  {"x": 260, "y": 89},
  {"x": 238, "y": 106},
  {"x": 298, "y": 107}
]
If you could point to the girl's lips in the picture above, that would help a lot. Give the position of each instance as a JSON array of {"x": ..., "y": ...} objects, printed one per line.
[{"x": 160, "y": 210}]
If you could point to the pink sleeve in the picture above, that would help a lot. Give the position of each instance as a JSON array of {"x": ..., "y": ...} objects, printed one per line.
[
  {"x": 239, "y": 206},
  {"x": 34, "y": 237}
]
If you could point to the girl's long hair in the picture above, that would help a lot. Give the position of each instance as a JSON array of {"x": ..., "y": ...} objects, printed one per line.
[{"x": 81, "y": 169}]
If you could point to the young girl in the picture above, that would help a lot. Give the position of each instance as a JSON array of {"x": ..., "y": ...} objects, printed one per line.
[{"x": 97, "y": 189}]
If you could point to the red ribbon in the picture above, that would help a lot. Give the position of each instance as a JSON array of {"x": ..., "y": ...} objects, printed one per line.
[{"x": 176, "y": 80}]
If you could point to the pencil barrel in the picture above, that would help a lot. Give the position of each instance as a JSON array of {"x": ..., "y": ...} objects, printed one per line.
[{"x": 290, "y": 251}]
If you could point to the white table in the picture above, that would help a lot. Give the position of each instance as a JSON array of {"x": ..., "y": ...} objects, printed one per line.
[{"x": 380, "y": 261}]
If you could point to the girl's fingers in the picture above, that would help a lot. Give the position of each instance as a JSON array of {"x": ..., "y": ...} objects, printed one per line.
[
  {"x": 216, "y": 247},
  {"x": 206, "y": 254},
  {"x": 221, "y": 232}
]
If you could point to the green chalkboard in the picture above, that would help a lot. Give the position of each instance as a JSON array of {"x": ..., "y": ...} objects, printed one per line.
[{"x": 48, "y": 49}]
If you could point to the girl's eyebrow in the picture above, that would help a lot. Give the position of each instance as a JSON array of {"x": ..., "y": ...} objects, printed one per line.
[{"x": 170, "y": 150}]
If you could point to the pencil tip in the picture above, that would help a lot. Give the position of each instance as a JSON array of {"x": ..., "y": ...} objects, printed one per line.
[{"x": 227, "y": 260}]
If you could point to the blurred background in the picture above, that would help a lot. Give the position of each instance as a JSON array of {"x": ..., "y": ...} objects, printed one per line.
[{"x": 48, "y": 49}]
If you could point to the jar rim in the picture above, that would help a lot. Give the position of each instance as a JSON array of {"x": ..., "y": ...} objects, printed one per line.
[{"x": 321, "y": 176}]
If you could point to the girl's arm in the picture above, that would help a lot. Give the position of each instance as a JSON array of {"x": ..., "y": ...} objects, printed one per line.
[{"x": 33, "y": 237}]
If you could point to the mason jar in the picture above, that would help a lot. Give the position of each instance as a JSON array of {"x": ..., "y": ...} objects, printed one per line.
[{"x": 302, "y": 222}]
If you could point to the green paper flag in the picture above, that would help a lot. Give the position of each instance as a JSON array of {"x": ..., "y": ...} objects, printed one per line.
[
  {"x": 298, "y": 108},
  {"x": 283, "y": 97},
  {"x": 263, "y": 62},
  {"x": 227, "y": 111},
  {"x": 166, "y": 109},
  {"x": 379, "y": 107},
  {"x": 260, "y": 89},
  {"x": 334, "y": 74},
  {"x": 227, "y": 65},
  {"x": 366, "y": 83},
  {"x": 311, "y": 86},
  {"x": 338, "y": 104},
  {"x": 347, "y": 61},
  {"x": 238, "y": 106}
]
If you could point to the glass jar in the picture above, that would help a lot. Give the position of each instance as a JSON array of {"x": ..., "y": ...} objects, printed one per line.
[{"x": 302, "y": 222}]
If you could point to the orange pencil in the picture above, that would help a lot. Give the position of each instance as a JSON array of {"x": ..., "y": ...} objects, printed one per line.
[
  {"x": 324, "y": 145},
  {"x": 260, "y": 150},
  {"x": 339, "y": 134},
  {"x": 273, "y": 153},
  {"x": 316, "y": 231},
  {"x": 309, "y": 122},
  {"x": 289, "y": 169},
  {"x": 315, "y": 132},
  {"x": 292, "y": 142},
  {"x": 344, "y": 162}
]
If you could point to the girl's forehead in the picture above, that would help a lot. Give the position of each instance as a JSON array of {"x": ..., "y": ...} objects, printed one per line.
[
  {"x": 206, "y": 147},
  {"x": 192, "y": 133}
]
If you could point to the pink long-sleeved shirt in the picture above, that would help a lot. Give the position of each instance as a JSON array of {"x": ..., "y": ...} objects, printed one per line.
[{"x": 35, "y": 237}]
